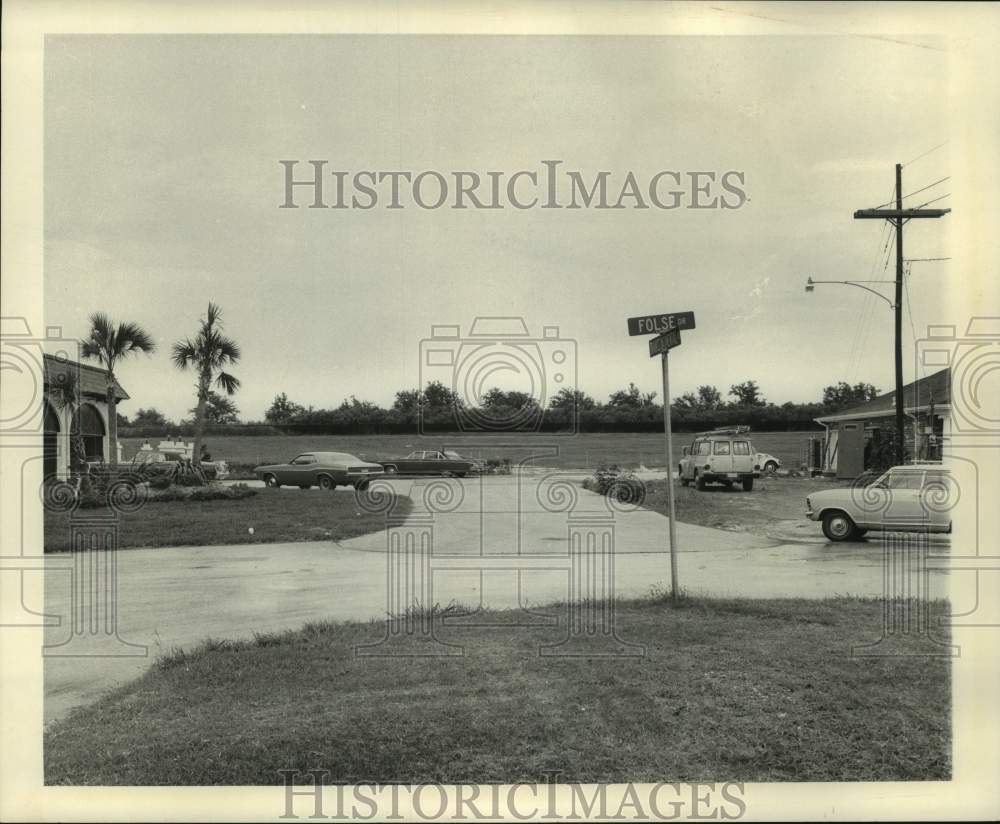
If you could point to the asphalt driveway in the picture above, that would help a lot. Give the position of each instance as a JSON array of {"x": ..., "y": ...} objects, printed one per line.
[{"x": 496, "y": 542}]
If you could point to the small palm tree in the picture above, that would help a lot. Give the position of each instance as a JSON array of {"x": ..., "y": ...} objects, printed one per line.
[
  {"x": 208, "y": 354},
  {"x": 109, "y": 345}
]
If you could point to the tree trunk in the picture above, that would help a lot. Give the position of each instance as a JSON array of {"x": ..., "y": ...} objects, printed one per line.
[
  {"x": 199, "y": 419},
  {"x": 112, "y": 420}
]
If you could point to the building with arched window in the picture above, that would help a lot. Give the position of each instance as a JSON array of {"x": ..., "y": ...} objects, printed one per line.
[{"x": 86, "y": 414}]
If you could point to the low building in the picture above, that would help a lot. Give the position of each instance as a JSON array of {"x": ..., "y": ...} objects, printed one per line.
[
  {"x": 89, "y": 417},
  {"x": 853, "y": 435}
]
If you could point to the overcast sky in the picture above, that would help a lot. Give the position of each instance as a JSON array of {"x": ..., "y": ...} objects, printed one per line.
[{"x": 162, "y": 187}]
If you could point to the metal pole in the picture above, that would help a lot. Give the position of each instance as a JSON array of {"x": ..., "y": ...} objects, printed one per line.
[
  {"x": 668, "y": 432},
  {"x": 900, "y": 421}
]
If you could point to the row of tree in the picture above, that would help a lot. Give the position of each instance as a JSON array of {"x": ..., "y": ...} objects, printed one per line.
[{"x": 438, "y": 408}]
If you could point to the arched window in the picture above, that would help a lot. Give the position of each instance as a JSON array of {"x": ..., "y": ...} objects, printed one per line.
[
  {"x": 50, "y": 443},
  {"x": 91, "y": 427}
]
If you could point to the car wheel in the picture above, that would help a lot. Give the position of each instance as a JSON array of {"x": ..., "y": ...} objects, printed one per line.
[
  {"x": 446, "y": 474},
  {"x": 326, "y": 482},
  {"x": 770, "y": 466},
  {"x": 748, "y": 484},
  {"x": 391, "y": 470},
  {"x": 271, "y": 481},
  {"x": 838, "y": 526},
  {"x": 699, "y": 482},
  {"x": 361, "y": 486}
]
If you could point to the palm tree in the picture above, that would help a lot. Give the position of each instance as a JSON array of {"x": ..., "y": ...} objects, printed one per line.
[
  {"x": 207, "y": 355},
  {"x": 108, "y": 345}
]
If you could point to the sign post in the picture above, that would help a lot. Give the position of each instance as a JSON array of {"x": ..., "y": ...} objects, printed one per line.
[{"x": 661, "y": 345}]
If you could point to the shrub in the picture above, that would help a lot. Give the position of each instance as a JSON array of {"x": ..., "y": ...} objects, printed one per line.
[{"x": 617, "y": 483}]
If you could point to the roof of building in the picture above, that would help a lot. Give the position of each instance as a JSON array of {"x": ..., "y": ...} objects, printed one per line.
[
  {"x": 93, "y": 379},
  {"x": 935, "y": 388}
]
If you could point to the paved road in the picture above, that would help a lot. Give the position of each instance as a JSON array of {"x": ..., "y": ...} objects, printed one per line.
[{"x": 176, "y": 597}]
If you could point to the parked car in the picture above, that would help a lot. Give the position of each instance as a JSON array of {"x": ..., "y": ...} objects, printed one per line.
[
  {"x": 430, "y": 462},
  {"x": 327, "y": 470},
  {"x": 154, "y": 462},
  {"x": 767, "y": 463},
  {"x": 723, "y": 456},
  {"x": 910, "y": 498}
]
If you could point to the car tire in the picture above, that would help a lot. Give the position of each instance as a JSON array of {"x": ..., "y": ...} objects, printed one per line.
[
  {"x": 271, "y": 481},
  {"x": 770, "y": 466},
  {"x": 838, "y": 526},
  {"x": 748, "y": 484},
  {"x": 326, "y": 482},
  {"x": 699, "y": 482},
  {"x": 361, "y": 486}
]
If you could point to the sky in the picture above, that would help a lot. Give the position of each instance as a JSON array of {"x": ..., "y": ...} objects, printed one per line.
[{"x": 163, "y": 182}]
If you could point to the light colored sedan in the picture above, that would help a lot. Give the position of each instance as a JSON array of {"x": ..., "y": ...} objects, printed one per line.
[
  {"x": 327, "y": 470},
  {"x": 912, "y": 498}
]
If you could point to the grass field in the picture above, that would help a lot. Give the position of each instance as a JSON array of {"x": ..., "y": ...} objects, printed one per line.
[
  {"x": 729, "y": 690},
  {"x": 275, "y": 515},
  {"x": 583, "y": 451}
]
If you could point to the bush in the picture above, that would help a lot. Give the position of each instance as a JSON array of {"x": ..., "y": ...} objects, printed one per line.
[
  {"x": 204, "y": 493},
  {"x": 617, "y": 483}
]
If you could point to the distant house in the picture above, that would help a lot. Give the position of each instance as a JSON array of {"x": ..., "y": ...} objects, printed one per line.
[
  {"x": 91, "y": 419},
  {"x": 849, "y": 434}
]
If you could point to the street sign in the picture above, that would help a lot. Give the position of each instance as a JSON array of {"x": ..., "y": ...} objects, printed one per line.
[
  {"x": 657, "y": 324},
  {"x": 664, "y": 343}
]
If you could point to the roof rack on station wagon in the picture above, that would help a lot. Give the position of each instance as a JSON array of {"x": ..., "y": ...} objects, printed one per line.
[{"x": 728, "y": 430}]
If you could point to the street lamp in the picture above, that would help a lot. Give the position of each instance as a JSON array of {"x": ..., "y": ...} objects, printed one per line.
[{"x": 811, "y": 287}]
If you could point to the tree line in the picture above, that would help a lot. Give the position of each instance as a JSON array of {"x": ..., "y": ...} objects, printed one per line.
[{"x": 437, "y": 408}]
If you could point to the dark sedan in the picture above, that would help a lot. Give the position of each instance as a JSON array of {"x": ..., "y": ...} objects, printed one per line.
[
  {"x": 429, "y": 462},
  {"x": 327, "y": 470}
]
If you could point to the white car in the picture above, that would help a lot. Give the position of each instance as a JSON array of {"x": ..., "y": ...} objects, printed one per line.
[
  {"x": 767, "y": 463},
  {"x": 912, "y": 498}
]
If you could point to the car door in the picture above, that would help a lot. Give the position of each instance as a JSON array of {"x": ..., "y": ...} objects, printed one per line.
[
  {"x": 722, "y": 457},
  {"x": 743, "y": 457},
  {"x": 298, "y": 471},
  {"x": 904, "y": 505},
  {"x": 938, "y": 497}
]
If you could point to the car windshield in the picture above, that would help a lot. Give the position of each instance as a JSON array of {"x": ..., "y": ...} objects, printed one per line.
[{"x": 453, "y": 456}]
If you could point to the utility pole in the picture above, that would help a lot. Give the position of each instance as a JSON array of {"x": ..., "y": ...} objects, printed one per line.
[
  {"x": 900, "y": 420},
  {"x": 898, "y": 217}
]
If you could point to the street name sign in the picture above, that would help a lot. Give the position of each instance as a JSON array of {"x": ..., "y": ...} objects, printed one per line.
[
  {"x": 662, "y": 344},
  {"x": 657, "y": 324}
]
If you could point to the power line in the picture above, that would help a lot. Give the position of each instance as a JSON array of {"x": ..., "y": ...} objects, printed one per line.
[
  {"x": 921, "y": 206},
  {"x": 908, "y": 162},
  {"x": 917, "y": 192}
]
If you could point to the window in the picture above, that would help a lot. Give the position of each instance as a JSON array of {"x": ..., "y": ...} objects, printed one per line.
[
  {"x": 905, "y": 480},
  {"x": 704, "y": 448},
  {"x": 741, "y": 447},
  {"x": 303, "y": 460},
  {"x": 938, "y": 479},
  {"x": 722, "y": 447}
]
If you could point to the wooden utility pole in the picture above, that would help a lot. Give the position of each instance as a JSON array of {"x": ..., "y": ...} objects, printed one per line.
[
  {"x": 900, "y": 419},
  {"x": 898, "y": 217}
]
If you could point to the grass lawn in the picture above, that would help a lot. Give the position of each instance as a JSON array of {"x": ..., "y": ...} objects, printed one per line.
[
  {"x": 584, "y": 451},
  {"x": 728, "y": 690},
  {"x": 773, "y": 499},
  {"x": 274, "y": 514}
]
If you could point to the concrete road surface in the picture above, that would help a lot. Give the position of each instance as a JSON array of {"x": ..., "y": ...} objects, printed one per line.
[{"x": 481, "y": 529}]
